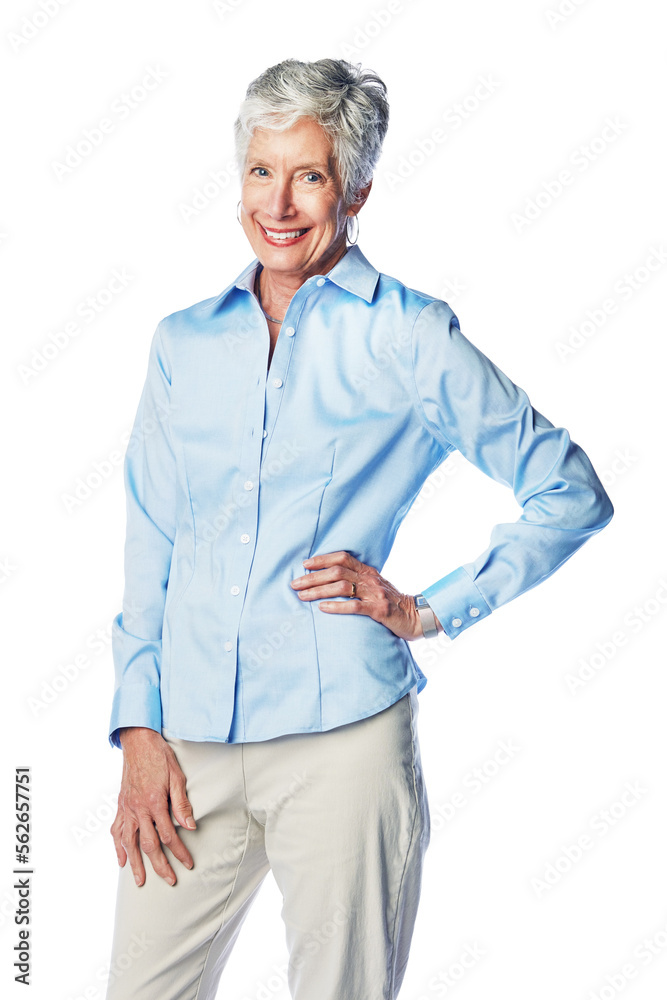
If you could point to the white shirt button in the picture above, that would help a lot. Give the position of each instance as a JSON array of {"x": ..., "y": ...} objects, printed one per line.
[
  {"x": 320, "y": 282},
  {"x": 277, "y": 382},
  {"x": 229, "y": 647},
  {"x": 245, "y": 538},
  {"x": 247, "y": 485},
  {"x": 474, "y": 612},
  {"x": 264, "y": 433},
  {"x": 290, "y": 331},
  {"x": 235, "y": 590},
  {"x": 456, "y": 622}
]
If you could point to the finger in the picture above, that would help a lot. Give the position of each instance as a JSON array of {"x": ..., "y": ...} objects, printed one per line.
[
  {"x": 338, "y": 558},
  {"x": 332, "y": 574},
  {"x": 339, "y": 588},
  {"x": 131, "y": 847},
  {"x": 149, "y": 842},
  {"x": 169, "y": 838},
  {"x": 116, "y": 831},
  {"x": 180, "y": 803},
  {"x": 314, "y": 578},
  {"x": 353, "y": 606}
]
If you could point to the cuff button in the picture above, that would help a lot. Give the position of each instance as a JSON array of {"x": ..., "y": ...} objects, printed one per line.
[
  {"x": 456, "y": 622},
  {"x": 474, "y": 612}
]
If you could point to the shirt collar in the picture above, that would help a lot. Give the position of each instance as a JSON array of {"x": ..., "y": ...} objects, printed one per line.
[{"x": 353, "y": 272}]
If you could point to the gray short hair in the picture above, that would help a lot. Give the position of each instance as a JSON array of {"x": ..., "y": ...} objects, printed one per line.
[{"x": 350, "y": 104}]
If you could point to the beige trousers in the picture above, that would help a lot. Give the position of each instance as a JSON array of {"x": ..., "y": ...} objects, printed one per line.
[{"x": 342, "y": 820}]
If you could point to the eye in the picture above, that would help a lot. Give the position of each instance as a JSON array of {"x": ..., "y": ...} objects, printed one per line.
[
  {"x": 312, "y": 177},
  {"x": 265, "y": 174}
]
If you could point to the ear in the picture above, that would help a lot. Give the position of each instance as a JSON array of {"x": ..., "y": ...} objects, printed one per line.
[{"x": 357, "y": 205}]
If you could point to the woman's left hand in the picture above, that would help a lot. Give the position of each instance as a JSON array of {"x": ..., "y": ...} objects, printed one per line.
[{"x": 333, "y": 575}]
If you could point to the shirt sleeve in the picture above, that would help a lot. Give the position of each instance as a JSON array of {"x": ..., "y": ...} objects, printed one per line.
[
  {"x": 466, "y": 402},
  {"x": 150, "y": 477}
]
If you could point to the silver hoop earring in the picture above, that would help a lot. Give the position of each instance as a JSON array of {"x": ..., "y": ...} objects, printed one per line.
[
  {"x": 238, "y": 218},
  {"x": 352, "y": 218}
]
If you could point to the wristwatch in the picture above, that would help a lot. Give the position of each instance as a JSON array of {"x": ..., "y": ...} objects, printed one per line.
[{"x": 426, "y": 615}]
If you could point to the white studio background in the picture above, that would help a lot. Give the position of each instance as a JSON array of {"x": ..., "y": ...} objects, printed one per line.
[{"x": 522, "y": 180}]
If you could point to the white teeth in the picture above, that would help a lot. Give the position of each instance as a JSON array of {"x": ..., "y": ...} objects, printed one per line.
[{"x": 285, "y": 236}]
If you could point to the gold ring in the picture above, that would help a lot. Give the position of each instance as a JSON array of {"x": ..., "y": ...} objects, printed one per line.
[{"x": 354, "y": 589}]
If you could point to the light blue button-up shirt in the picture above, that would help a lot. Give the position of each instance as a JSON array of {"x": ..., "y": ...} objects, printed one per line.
[{"x": 234, "y": 475}]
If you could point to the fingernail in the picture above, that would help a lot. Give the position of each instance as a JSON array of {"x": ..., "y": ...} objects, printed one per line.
[
  {"x": 306, "y": 561},
  {"x": 190, "y": 823},
  {"x": 137, "y": 879}
]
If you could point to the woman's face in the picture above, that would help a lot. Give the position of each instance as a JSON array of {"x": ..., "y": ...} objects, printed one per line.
[{"x": 291, "y": 186}]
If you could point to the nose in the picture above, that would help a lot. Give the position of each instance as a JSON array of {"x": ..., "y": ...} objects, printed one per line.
[{"x": 280, "y": 198}]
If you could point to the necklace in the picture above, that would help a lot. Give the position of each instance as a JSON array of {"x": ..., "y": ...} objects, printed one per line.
[{"x": 259, "y": 299}]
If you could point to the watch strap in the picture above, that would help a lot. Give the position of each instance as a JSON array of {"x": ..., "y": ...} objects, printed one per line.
[{"x": 427, "y": 618}]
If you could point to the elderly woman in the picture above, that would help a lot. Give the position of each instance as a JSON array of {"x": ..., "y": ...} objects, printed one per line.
[{"x": 266, "y": 693}]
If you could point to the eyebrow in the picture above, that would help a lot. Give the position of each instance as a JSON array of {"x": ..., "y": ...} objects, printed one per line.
[{"x": 314, "y": 166}]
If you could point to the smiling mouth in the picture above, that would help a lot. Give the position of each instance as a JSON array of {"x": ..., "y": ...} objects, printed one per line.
[{"x": 284, "y": 234}]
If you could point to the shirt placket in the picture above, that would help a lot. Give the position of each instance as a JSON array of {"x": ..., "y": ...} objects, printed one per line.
[
  {"x": 276, "y": 376},
  {"x": 261, "y": 416}
]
